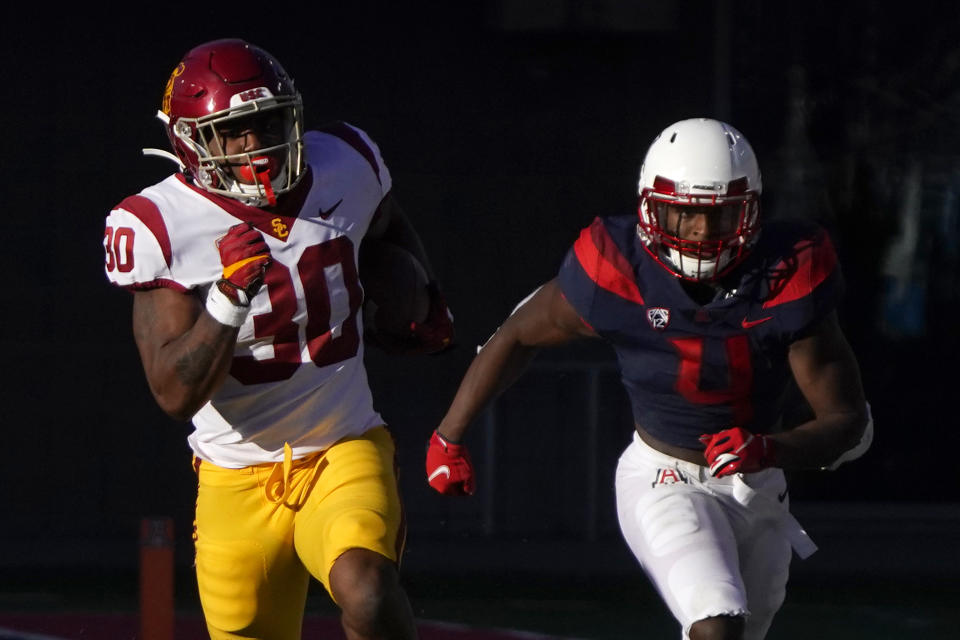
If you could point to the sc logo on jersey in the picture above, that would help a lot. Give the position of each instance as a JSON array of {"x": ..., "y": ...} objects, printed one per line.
[
  {"x": 658, "y": 317},
  {"x": 279, "y": 228}
]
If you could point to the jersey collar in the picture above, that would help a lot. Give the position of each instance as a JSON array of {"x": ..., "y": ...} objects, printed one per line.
[{"x": 276, "y": 223}]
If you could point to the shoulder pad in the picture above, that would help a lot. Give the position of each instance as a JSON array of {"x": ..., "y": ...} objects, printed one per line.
[
  {"x": 137, "y": 245},
  {"x": 806, "y": 259},
  {"x": 360, "y": 142},
  {"x": 604, "y": 262}
]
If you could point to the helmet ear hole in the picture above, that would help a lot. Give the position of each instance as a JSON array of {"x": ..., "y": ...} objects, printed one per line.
[{"x": 193, "y": 91}]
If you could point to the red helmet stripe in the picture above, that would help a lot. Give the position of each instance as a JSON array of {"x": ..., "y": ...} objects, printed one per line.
[
  {"x": 601, "y": 259},
  {"x": 816, "y": 260},
  {"x": 662, "y": 185}
]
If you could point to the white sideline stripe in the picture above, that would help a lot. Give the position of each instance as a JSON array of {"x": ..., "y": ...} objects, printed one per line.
[
  {"x": 12, "y": 634},
  {"x": 511, "y": 633}
]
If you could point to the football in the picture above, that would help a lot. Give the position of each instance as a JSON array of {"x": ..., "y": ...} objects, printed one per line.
[{"x": 395, "y": 288}]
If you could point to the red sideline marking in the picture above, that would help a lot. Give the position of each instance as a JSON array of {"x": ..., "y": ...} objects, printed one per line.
[{"x": 109, "y": 626}]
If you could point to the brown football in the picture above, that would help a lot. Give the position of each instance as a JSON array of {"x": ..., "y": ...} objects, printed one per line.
[{"x": 395, "y": 288}]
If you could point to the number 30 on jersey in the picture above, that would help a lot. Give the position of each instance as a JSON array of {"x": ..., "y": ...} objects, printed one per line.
[
  {"x": 118, "y": 246},
  {"x": 332, "y": 335}
]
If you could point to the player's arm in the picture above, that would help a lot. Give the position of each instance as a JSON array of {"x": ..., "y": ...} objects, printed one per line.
[
  {"x": 544, "y": 319},
  {"x": 828, "y": 375},
  {"x": 436, "y": 332},
  {"x": 392, "y": 225},
  {"x": 186, "y": 353},
  {"x": 186, "y": 346}
]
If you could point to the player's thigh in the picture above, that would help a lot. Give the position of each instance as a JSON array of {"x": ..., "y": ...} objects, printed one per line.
[
  {"x": 251, "y": 583},
  {"x": 354, "y": 504},
  {"x": 684, "y": 541}
]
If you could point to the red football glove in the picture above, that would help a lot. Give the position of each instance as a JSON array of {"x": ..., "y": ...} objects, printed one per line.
[
  {"x": 737, "y": 450},
  {"x": 245, "y": 257},
  {"x": 435, "y": 333},
  {"x": 449, "y": 469}
]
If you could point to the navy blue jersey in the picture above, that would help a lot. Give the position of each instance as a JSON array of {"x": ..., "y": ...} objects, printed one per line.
[{"x": 691, "y": 369}]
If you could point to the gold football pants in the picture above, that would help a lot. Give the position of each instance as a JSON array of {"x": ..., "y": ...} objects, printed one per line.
[{"x": 261, "y": 531}]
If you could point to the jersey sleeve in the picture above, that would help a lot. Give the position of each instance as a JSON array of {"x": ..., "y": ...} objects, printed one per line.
[
  {"x": 364, "y": 145},
  {"x": 377, "y": 162},
  {"x": 807, "y": 285},
  {"x": 596, "y": 278},
  {"x": 137, "y": 247}
]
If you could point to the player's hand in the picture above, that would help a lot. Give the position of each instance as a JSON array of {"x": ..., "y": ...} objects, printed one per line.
[
  {"x": 435, "y": 333},
  {"x": 449, "y": 468},
  {"x": 245, "y": 257},
  {"x": 737, "y": 450}
]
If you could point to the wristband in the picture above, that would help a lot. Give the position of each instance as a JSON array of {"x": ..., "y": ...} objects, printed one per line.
[{"x": 223, "y": 310}]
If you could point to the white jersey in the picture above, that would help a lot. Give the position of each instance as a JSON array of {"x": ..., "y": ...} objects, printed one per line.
[{"x": 297, "y": 375}]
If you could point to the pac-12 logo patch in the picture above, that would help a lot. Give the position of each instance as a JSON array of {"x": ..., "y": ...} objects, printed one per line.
[
  {"x": 658, "y": 317},
  {"x": 668, "y": 476}
]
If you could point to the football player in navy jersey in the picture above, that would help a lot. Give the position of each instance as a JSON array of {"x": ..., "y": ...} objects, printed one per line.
[{"x": 710, "y": 316}]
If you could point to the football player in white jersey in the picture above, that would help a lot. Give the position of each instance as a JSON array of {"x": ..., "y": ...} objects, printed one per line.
[{"x": 244, "y": 268}]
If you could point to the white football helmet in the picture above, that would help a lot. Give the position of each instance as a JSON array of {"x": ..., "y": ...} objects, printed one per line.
[{"x": 709, "y": 166}]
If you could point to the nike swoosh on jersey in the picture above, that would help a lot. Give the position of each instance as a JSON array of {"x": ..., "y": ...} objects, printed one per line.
[
  {"x": 443, "y": 470},
  {"x": 329, "y": 212},
  {"x": 746, "y": 324}
]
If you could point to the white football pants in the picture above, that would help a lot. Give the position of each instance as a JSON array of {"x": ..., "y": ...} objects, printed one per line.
[{"x": 711, "y": 546}]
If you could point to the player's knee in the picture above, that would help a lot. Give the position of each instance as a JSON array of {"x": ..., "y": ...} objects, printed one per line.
[
  {"x": 762, "y": 611},
  {"x": 718, "y": 628},
  {"x": 228, "y": 576},
  {"x": 366, "y": 586}
]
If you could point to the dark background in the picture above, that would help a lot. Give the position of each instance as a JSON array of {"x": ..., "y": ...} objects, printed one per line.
[{"x": 507, "y": 125}]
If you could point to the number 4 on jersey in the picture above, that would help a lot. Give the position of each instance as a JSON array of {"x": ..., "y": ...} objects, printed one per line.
[{"x": 740, "y": 375}]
